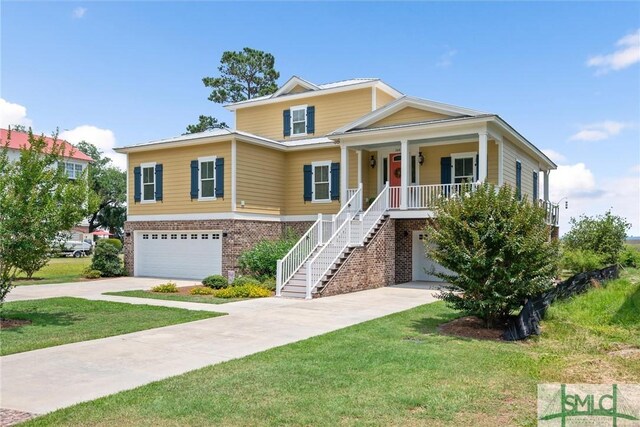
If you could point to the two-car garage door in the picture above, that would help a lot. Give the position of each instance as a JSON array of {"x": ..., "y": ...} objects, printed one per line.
[{"x": 178, "y": 254}]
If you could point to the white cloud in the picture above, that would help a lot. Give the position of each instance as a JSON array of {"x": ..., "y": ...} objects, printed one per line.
[
  {"x": 104, "y": 139},
  {"x": 554, "y": 155},
  {"x": 572, "y": 181},
  {"x": 79, "y": 12},
  {"x": 446, "y": 59},
  {"x": 599, "y": 131},
  {"x": 626, "y": 54},
  {"x": 13, "y": 114}
]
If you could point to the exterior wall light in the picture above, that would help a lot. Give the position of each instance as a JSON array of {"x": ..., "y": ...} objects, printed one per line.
[
  {"x": 420, "y": 158},
  {"x": 372, "y": 162}
]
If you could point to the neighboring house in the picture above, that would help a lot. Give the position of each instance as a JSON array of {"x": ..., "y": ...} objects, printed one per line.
[{"x": 329, "y": 162}]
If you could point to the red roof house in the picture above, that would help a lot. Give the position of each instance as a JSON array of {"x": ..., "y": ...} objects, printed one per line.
[{"x": 20, "y": 141}]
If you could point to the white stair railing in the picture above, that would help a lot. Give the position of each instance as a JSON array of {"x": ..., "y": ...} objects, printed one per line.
[
  {"x": 326, "y": 257},
  {"x": 293, "y": 260},
  {"x": 370, "y": 218}
]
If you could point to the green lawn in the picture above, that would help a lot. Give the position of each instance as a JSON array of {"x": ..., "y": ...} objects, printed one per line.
[
  {"x": 58, "y": 270},
  {"x": 397, "y": 370},
  {"x": 57, "y": 321},
  {"x": 207, "y": 299}
]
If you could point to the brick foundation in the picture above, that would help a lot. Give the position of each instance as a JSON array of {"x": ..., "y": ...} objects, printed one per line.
[{"x": 241, "y": 235}]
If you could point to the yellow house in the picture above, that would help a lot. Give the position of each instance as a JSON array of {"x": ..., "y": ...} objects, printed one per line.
[{"x": 353, "y": 167}]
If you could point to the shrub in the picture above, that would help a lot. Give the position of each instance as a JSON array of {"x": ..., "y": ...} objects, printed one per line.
[
  {"x": 91, "y": 274},
  {"x": 106, "y": 260},
  {"x": 243, "y": 291},
  {"x": 630, "y": 257},
  {"x": 603, "y": 234},
  {"x": 115, "y": 242},
  {"x": 215, "y": 282},
  {"x": 202, "y": 291},
  {"x": 165, "y": 288},
  {"x": 579, "y": 261},
  {"x": 269, "y": 283},
  {"x": 245, "y": 280},
  {"x": 261, "y": 261},
  {"x": 498, "y": 248}
]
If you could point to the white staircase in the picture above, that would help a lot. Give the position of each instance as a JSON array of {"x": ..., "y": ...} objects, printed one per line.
[{"x": 316, "y": 257}]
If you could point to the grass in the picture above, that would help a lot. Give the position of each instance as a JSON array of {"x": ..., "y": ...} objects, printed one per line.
[
  {"x": 397, "y": 370},
  {"x": 206, "y": 299},
  {"x": 58, "y": 270},
  {"x": 57, "y": 321}
]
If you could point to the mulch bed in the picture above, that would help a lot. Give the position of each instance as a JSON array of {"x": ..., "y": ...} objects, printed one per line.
[
  {"x": 471, "y": 327},
  {"x": 13, "y": 323}
]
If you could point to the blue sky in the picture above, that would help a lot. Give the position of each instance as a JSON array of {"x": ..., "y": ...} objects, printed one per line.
[{"x": 566, "y": 75}]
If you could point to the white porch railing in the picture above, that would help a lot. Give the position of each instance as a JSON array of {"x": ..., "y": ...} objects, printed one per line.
[
  {"x": 552, "y": 212},
  {"x": 291, "y": 262},
  {"x": 370, "y": 218},
  {"x": 319, "y": 265},
  {"x": 426, "y": 196}
]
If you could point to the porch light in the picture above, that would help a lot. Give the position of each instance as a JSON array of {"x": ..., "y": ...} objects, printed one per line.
[
  {"x": 420, "y": 158},
  {"x": 372, "y": 162}
]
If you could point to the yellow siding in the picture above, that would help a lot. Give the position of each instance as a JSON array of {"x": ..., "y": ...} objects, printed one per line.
[
  {"x": 511, "y": 154},
  {"x": 407, "y": 115},
  {"x": 332, "y": 111},
  {"x": 260, "y": 179},
  {"x": 430, "y": 169},
  {"x": 353, "y": 169},
  {"x": 294, "y": 184},
  {"x": 176, "y": 181},
  {"x": 383, "y": 98}
]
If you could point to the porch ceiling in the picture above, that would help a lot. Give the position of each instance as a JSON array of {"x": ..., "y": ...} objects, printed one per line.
[{"x": 417, "y": 141}]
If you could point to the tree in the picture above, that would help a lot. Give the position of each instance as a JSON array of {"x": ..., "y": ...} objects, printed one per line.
[
  {"x": 603, "y": 234},
  {"x": 108, "y": 191},
  {"x": 243, "y": 75},
  {"x": 37, "y": 203},
  {"x": 19, "y": 128},
  {"x": 498, "y": 248},
  {"x": 204, "y": 124}
]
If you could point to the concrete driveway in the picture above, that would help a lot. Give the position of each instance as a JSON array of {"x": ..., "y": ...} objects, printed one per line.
[{"x": 44, "y": 380}]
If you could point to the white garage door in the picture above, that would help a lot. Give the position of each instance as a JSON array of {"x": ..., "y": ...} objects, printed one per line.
[
  {"x": 178, "y": 254},
  {"x": 423, "y": 266}
]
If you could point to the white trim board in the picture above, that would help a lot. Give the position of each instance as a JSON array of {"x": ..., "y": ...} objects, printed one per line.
[{"x": 222, "y": 216}]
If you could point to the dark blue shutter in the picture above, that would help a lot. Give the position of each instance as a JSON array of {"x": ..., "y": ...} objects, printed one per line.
[
  {"x": 137, "y": 184},
  {"x": 535, "y": 186},
  {"x": 477, "y": 167},
  {"x": 413, "y": 169},
  {"x": 219, "y": 177},
  {"x": 385, "y": 170},
  {"x": 159, "y": 182},
  {"x": 286, "y": 122},
  {"x": 194, "y": 179},
  {"x": 308, "y": 184},
  {"x": 311, "y": 119},
  {"x": 335, "y": 181},
  {"x": 445, "y": 170},
  {"x": 518, "y": 180}
]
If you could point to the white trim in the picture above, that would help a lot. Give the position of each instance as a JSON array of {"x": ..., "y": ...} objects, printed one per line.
[
  {"x": 405, "y": 159},
  {"x": 469, "y": 154},
  {"x": 291, "y": 110},
  {"x": 359, "y": 160},
  {"x": 293, "y": 82},
  {"x": 411, "y": 213},
  {"x": 314, "y": 165},
  {"x": 483, "y": 156},
  {"x": 344, "y": 174},
  {"x": 127, "y": 183},
  {"x": 223, "y": 216},
  {"x": 233, "y": 174},
  {"x": 202, "y": 160},
  {"x": 374, "y": 98},
  {"x": 144, "y": 166},
  {"x": 75, "y": 163}
]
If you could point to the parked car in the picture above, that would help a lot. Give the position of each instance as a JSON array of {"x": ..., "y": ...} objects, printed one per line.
[{"x": 76, "y": 249}]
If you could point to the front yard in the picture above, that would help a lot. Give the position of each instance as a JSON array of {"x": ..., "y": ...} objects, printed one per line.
[
  {"x": 397, "y": 370},
  {"x": 57, "y": 321},
  {"x": 58, "y": 270}
]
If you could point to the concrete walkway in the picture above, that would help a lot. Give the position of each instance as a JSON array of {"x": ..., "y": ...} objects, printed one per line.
[{"x": 44, "y": 380}]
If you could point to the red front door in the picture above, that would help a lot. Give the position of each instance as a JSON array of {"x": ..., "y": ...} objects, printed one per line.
[{"x": 394, "y": 179}]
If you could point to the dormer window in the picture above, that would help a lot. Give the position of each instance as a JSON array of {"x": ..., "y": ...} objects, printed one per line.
[{"x": 299, "y": 120}]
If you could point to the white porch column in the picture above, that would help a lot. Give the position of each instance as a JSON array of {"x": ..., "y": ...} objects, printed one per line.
[
  {"x": 405, "y": 167},
  {"x": 344, "y": 174},
  {"x": 359, "y": 153},
  {"x": 482, "y": 156},
  {"x": 546, "y": 186}
]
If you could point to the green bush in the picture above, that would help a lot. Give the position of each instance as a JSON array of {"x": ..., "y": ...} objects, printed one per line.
[
  {"x": 91, "y": 274},
  {"x": 165, "y": 288},
  {"x": 202, "y": 291},
  {"x": 245, "y": 280},
  {"x": 269, "y": 283},
  {"x": 215, "y": 282},
  {"x": 261, "y": 261},
  {"x": 579, "y": 261},
  {"x": 602, "y": 234},
  {"x": 243, "y": 291},
  {"x": 498, "y": 248},
  {"x": 115, "y": 242},
  {"x": 630, "y": 257},
  {"x": 106, "y": 260}
]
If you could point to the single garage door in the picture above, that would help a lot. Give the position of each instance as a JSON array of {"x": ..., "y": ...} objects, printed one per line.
[
  {"x": 423, "y": 266},
  {"x": 178, "y": 254}
]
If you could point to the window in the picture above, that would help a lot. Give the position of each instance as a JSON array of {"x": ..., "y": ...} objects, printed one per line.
[
  {"x": 174, "y": 236},
  {"x": 148, "y": 182},
  {"x": 204, "y": 236},
  {"x": 154, "y": 237},
  {"x": 145, "y": 236},
  {"x": 321, "y": 181},
  {"x": 463, "y": 168},
  {"x": 163, "y": 237},
  {"x": 299, "y": 120},
  {"x": 207, "y": 187},
  {"x": 194, "y": 236},
  {"x": 215, "y": 236},
  {"x": 183, "y": 236},
  {"x": 73, "y": 170}
]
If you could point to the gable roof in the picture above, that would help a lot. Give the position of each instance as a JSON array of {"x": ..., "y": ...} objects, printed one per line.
[
  {"x": 408, "y": 102},
  {"x": 20, "y": 141},
  {"x": 319, "y": 89}
]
